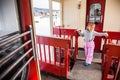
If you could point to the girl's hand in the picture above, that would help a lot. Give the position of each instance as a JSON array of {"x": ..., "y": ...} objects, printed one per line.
[
  {"x": 106, "y": 34},
  {"x": 78, "y": 30}
]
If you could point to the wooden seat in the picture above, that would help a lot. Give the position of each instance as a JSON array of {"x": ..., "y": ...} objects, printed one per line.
[
  {"x": 110, "y": 40},
  {"x": 111, "y": 62},
  {"x": 53, "y": 55},
  {"x": 68, "y": 33}
]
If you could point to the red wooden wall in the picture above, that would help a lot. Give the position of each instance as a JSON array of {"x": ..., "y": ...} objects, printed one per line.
[{"x": 25, "y": 15}]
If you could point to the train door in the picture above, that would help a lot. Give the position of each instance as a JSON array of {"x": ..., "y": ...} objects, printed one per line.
[{"x": 95, "y": 13}]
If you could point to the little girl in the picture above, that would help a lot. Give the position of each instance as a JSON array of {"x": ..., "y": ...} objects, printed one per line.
[{"x": 89, "y": 35}]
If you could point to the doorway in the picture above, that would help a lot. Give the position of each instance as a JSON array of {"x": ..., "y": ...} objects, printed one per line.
[
  {"x": 95, "y": 13},
  {"x": 46, "y": 16}
]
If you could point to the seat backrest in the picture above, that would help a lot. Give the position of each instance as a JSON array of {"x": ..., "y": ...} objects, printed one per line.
[
  {"x": 113, "y": 37},
  {"x": 53, "y": 54},
  {"x": 111, "y": 51},
  {"x": 68, "y": 33}
]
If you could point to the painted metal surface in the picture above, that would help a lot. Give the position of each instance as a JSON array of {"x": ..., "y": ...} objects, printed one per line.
[
  {"x": 112, "y": 62},
  {"x": 110, "y": 54},
  {"x": 110, "y": 40},
  {"x": 25, "y": 16},
  {"x": 47, "y": 53},
  {"x": 68, "y": 33}
]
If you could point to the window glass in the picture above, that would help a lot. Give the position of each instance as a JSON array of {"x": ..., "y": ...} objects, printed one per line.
[
  {"x": 9, "y": 21},
  {"x": 95, "y": 13},
  {"x": 42, "y": 17},
  {"x": 56, "y": 13}
]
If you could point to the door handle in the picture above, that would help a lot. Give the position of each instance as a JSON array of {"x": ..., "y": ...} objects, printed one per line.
[{"x": 101, "y": 18}]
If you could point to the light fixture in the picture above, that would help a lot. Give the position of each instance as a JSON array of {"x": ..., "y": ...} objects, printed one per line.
[{"x": 79, "y": 4}]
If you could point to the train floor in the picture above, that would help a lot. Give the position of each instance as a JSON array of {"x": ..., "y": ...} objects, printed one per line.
[{"x": 79, "y": 71}]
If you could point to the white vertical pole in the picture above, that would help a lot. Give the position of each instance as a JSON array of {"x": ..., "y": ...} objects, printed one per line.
[
  {"x": 61, "y": 12},
  {"x": 34, "y": 40},
  {"x": 51, "y": 17}
]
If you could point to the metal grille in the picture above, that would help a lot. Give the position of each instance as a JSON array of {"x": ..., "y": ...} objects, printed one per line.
[{"x": 14, "y": 53}]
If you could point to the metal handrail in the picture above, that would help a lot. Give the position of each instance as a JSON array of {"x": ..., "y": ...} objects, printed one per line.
[
  {"x": 8, "y": 57},
  {"x": 15, "y": 38},
  {"x": 21, "y": 69},
  {"x": 9, "y": 35},
  {"x": 14, "y": 64},
  {"x": 7, "y": 44}
]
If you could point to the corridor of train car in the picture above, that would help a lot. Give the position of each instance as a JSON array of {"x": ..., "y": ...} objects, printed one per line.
[
  {"x": 54, "y": 55},
  {"x": 48, "y": 14},
  {"x": 75, "y": 14}
]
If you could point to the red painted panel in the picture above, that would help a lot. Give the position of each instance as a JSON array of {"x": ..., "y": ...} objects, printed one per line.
[
  {"x": 113, "y": 35},
  {"x": 53, "y": 65},
  {"x": 25, "y": 15},
  {"x": 110, "y": 40},
  {"x": 71, "y": 34},
  {"x": 56, "y": 70},
  {"x": 110, "y": 37},
  {"x": 112, "y": 60},
  {"x": 53, "y": 41},
  {"x": 32, "y": 74}
]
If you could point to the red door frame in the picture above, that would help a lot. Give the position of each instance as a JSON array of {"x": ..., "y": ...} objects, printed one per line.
[
  {"x": 25, "y": 16},
  {"x": 99, "y": 27}
]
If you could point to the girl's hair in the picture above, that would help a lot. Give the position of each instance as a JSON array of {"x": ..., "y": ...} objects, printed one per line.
[{"x": 91, "y": 24}]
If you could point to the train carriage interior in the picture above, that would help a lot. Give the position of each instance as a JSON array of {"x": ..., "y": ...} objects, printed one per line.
[{"x": 41, "y": 40}]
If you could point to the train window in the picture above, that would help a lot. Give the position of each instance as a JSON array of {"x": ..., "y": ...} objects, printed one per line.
[
  {"x": 57, "y": 13},
  {"x": 95, "y": 13},
  {"x": 8, "y": 17},
  {"x": 42, "y": 17}
]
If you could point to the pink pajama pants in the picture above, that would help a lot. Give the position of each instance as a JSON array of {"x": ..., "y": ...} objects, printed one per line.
[{"x": 89, "y": 50}]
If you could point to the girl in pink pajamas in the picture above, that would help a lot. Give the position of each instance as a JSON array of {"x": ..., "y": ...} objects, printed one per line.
[{"x": 89, "y": 35}]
